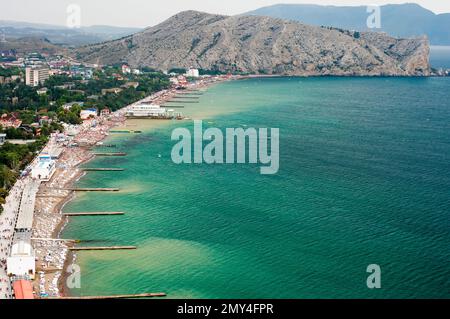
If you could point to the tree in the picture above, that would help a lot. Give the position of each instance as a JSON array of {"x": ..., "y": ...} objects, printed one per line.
[{"x": 7, "y": 177}]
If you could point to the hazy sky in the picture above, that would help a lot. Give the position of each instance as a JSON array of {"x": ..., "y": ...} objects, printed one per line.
[{"x": 143, "y": 13}]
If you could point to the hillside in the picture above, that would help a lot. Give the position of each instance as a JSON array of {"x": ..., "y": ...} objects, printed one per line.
[
  {"x": 398, "y": 20},
  {"x": 62, "y": 35},
  {"x": 261, "y": 45},
  {"x": 30, "y": 45}
]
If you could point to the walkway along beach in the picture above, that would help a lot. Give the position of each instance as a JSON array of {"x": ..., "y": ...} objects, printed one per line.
[
  {"x": 53, "y": 256},
  {"x": 158, "y": 98}
]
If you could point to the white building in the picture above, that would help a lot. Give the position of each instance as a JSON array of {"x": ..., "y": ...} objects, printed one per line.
[
  {"x": 68, "y": 106},
  {"x": 21, "y": 261},
  {"x": 146, "y": 110},
  {"x": 36, "y": 75},
  {"x": 126, "y": 69},
  {"x": 44, "y": 169},
  {"x": 87, "y": 114},
  {"x": 193, "y": 73},
  {"x": 42, "y": 91}
]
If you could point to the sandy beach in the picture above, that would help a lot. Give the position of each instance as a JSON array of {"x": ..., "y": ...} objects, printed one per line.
[{"x": 52, "y": 254}]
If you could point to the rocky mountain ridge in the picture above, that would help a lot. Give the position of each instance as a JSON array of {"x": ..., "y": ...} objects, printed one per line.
[{"x": 262, "y": 45}]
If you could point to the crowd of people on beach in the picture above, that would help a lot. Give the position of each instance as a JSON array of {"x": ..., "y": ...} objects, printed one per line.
[{"x": 51, "y": 254}]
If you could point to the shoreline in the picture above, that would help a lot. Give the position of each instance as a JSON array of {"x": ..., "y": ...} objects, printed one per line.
[
  {"x": 59, "y": 278},
  {"x": 49, "y": 222}
]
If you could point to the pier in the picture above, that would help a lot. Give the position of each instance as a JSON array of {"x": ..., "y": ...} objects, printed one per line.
[
  {"x": 106, "y": 145},
  {"x": 93, "y": 169},
  {"x": 103, "y": 248},
  {"x": 190, "y": 93},
  {"x": 110, "y": 154},
  {"x": 125, "y": 131},
  {"x": 94, "y": 214},
  {"x": 132, "y": 296},
  {"x": 178, "y": 101},
  {"x": 186, "y": 97},
  {"x": 85, "y": 189}
]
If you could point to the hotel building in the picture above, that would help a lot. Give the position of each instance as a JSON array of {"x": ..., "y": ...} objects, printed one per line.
[{"x": 36, "y": 75}]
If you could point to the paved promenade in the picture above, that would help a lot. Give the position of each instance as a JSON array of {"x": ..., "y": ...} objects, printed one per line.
[{"x": 7, "y": 222}]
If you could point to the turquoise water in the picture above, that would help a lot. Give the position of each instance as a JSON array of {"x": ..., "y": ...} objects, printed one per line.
[{"x": 364, "y": 179}]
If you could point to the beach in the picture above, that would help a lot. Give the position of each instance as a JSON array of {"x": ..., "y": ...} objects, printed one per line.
[
  {"x": 236, "y": 228},
  {"x": 357, "y": 174},
  {"x": 52, "y": 253},
  {"x": 7, "y": 222}
]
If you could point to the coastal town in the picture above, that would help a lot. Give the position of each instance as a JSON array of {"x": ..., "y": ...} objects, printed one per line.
[
  {"x": 224, "y": 159},
  {"x": 54, "y": 112}
]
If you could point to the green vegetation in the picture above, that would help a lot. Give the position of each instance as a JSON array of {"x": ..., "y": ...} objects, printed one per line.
[
  {"x": 211, "y": 72},
  {"x": 71, "y": 116},
  {"x": 24, "y": 103},
  {"x": 13, "y": 159},
  {"x": 63, "y": 89},
  {"x": 10, "y": 71},
  {"x": 177, "y": 71}
]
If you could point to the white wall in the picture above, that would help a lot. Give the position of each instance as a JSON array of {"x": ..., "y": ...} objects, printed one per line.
[{"x": 21, "y": 266}]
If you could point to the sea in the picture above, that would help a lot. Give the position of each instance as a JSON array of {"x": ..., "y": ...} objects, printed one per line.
[
  {"x": 364, "y": 179},
  {"x": 440, "y": 57}
]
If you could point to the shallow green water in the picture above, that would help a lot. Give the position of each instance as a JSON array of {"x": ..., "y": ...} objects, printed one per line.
[{"x": 364, "y": 179}]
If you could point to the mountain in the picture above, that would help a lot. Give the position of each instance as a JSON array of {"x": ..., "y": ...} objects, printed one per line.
[
  {"x": 261, "y": 45},
  {"x": 31, "y": 45},
  {"x": 62, "y": 35},
  {"x": 398, "y": 20},
  {"x": 109, "y": 32}
]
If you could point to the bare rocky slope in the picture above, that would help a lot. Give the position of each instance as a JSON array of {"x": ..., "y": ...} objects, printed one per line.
[
  {"x": 262, "y": 45},
  {"x": 398, "y": 20}
]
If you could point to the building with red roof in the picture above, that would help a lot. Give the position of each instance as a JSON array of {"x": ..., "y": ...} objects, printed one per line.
[{"x": 23, "y": 289}]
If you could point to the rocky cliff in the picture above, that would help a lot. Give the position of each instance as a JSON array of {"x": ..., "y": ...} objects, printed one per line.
[{"x": 262, "y": 45}]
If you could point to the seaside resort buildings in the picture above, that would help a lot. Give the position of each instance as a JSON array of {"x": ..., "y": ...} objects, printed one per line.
[{"x": 21, "y": 260}]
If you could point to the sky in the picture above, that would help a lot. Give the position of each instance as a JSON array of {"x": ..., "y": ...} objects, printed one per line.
[{"x": 144, "y": 13}]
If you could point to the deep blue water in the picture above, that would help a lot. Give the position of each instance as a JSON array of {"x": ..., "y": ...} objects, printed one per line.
[{"x": 364, "y": 179}]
